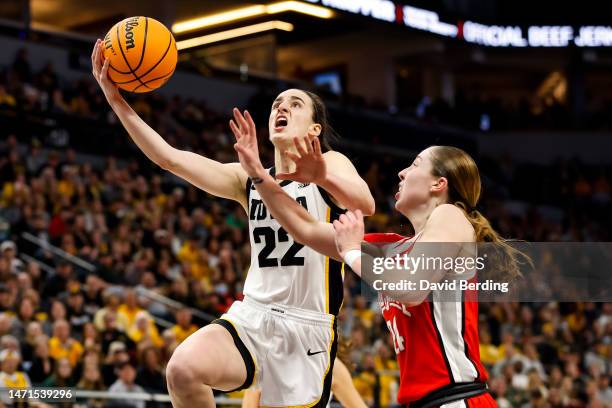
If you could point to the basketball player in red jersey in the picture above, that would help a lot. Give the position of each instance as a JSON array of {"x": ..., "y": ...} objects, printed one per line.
[{"x": 436, "y": 341}]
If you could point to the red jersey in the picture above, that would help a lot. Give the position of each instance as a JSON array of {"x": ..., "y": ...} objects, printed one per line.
[{"x": 436, "y": 342}]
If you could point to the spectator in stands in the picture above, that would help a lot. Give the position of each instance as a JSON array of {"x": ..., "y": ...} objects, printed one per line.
[
  {"x": 28, "y": 344},
  {"x": 63, "y": 374},
  {"x": 91, "y": 380},
  {"x": 25, "y": 315},
  {"x": 150, "y": 375},
  {"x": 61, "y": 345},
  {"x": 112, "y": 302},
  {"x": 8, "y": 249},
  {"x": 9, "y": 342},
  {"x": 117, "y": 354},
  {"x": 128, "y": 310},
  {"x": 42, "y": 364},
  {"x": 77, "y": 315},
  {"x": 11, "y": 377},
  {"x": 57, "y": 312},
  {"x": 91, "y": 337},
  {"x": 183, "y": 327},
  {"x": 111, "y": 333},
  {"x": 145, "y": 333},
  {"x": 170, "y": 344},
  {"x": 125, "y": 384},
  {"x": 58, "y": 282}
]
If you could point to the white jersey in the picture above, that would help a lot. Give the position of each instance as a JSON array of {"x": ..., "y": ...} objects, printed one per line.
[{"x": 283, "y": 271}]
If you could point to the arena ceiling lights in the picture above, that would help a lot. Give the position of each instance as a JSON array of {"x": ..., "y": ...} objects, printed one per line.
[
  {"x": 251, "y": 12},
  {"x": 234, "y": 33}
]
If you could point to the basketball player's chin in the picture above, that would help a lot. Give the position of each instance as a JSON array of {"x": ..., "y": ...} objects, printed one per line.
[{"x": 281, "y": 138}]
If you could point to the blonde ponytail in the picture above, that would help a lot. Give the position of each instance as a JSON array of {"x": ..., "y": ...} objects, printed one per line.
[
  {"x": 464, "y": 188},
  {"x": 506, "y": 264}
]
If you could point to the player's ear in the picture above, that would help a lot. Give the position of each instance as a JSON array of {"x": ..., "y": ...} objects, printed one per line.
[
  {"x": 439, "y": 185},
  {"x": 314, "y": 130}
]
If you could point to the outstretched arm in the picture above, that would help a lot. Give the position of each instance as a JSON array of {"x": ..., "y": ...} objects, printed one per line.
[
  {"x": 225, "y": 180},
  {"x": 333, "y": 171},
  {"x": 293, "y": 217}
]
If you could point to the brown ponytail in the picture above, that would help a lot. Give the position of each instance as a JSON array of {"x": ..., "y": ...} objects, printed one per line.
[{"x": 464, "y": 189}]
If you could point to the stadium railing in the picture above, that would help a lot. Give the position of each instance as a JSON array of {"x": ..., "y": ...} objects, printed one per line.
[{"x": 89, "y": 267}]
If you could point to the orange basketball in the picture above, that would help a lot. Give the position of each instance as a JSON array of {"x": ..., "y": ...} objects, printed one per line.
[{"x": 142, "y": 53}]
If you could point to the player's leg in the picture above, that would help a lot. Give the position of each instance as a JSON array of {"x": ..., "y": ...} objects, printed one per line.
[
  {"x": 251, "y": 398},
  {"x": 207, "y": 359},
  {"x": 343, "y": 388}
]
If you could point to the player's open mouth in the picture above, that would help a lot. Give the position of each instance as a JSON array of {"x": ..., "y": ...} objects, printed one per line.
[
  {"x": 399, "y": 190},
  {"x": 280, "y": 123}
]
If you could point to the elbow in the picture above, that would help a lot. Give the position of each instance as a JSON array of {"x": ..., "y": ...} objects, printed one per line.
[
  {"x": 166, "y": 164},
  {"x": 369, "y": 207}
]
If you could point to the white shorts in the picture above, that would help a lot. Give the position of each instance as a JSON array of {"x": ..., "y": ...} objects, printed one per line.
[{"x": 288, "y": 352}]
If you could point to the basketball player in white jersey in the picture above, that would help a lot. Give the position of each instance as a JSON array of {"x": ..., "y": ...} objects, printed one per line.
[{"x": 282, "y": 336}]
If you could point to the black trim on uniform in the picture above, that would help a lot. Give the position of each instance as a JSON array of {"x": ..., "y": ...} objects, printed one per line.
[
  {"x": 433, "y": 320},
  {"x": 328, "y": 377},
  {"x": 244, "y": 352},
  {"x": 273, "y": 174},
  {"x": 330, "y": 202},
  {"x": 249, "y": 184},
  {"x": 335, "y": 290},
  {"x": 450, "y": 393}
]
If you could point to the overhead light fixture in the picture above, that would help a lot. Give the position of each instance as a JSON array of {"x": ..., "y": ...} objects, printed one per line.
[
  {"x": 299, "y": 7},
  {"x": 219, "y": 18},
  {"x": 249, "y": 12},
  {"x": 236, "y": 32}
]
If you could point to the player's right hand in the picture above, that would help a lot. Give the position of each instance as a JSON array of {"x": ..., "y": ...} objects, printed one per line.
[
  {"x": 99, "y": 70},
  {"x": 349, "y": 231},
  {"x": 246, "y": 143}
]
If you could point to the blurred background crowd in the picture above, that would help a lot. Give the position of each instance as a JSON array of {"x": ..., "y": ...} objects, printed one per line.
[{"x": 139, "y": 232}]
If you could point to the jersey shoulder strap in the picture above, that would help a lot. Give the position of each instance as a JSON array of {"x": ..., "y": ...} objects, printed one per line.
[{"x": 384, "y": 237}]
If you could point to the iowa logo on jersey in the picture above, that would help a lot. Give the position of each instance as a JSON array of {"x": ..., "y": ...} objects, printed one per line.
[{"x": 258, "y": 210}]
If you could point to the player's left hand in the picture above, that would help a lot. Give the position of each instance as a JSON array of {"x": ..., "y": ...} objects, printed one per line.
[
  {"x": 349, "y": 231},
  {"x": 310, "y": 166},
  {"x": 246, "y": 143}
]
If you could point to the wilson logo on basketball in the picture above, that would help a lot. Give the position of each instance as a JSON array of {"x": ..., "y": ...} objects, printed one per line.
[
  {"x": 108, "y": 43},
  {"x": 129, "y": 35}
]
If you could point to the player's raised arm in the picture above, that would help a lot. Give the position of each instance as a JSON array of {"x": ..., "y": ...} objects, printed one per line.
[
  {"x": 293, "y": 217},
  {"x": 331, "y": 170},
  {"x": 219, "y": 179}
]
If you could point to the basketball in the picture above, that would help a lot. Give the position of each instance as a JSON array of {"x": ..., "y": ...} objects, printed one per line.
[{"x": 142, "y": 53}]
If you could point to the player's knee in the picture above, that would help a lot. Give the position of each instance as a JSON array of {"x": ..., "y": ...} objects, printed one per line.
[{"x": 183, "y": 375}]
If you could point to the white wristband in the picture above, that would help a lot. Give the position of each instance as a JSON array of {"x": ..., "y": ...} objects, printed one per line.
[{"x": 350, "y": 256}]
